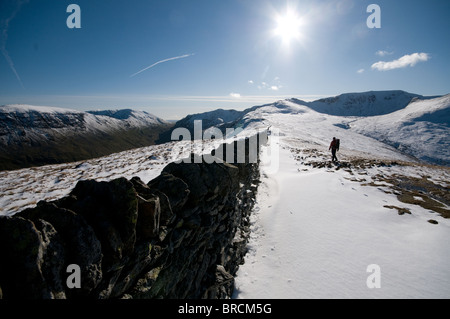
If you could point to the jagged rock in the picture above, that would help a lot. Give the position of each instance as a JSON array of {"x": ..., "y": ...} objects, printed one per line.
[
  {"x": 145, "y": 254},
  {"x": 82, "y": 246},
  {"x": 223, "y": 286},
  {"x": 143, "y": 287},
  {"x": 53, "y": 256},
  {"x": 178, "y": 236},
  {"x": 176, "y": 189},
  {"x": 166, "y": 214},
  {"x": 21, "y": 259},
  {"x": 148, "y": 218},
  {"x": 205, "y": 182},
  {"x": 111, "y": 209}
]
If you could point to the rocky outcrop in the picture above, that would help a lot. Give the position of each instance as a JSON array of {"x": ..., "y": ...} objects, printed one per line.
[{"x": 182, "y": 235}]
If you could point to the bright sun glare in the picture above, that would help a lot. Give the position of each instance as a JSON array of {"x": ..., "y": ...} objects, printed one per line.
[{"x": 288, "y": 26}]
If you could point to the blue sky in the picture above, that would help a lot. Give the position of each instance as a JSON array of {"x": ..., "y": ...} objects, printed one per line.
[{"x": 177, "y": 57}]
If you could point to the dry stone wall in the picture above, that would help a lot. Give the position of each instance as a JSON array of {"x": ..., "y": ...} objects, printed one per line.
[{"x": 182, "y": 235}]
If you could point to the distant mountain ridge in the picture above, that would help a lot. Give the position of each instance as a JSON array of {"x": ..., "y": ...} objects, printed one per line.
[
  {"x": 370, "y": 103},
  {"x": 131, "y": 116},
  {"x": 36, "y": 135}
]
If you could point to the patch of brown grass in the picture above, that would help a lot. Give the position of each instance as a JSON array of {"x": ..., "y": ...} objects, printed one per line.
[
  {"x": 401, "y": 210},
  {"x": 432, "y": 196},
  {"x": 421, "y": 191}
]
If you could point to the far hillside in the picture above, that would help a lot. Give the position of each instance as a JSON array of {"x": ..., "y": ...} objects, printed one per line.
[{"x": 35, "y": 136}]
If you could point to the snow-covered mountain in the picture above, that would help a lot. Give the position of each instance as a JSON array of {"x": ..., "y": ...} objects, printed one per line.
[
  {"x": 363, "y": 104},
  {"x": 219, "y": 118},
  {"x": 27, "y": 123},
  {"x": 421, "y": 129},
  {"x": 131, "y": 117},
  {"x": 36, "y": 135},
  {"x": 213, "y": 118},
  {"x": 410, "y": 124}
]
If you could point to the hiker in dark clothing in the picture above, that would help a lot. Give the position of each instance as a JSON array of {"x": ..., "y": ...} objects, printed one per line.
[{"x": 334, "y": 146}]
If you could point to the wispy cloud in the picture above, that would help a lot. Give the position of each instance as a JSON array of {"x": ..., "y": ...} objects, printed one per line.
[
  {"x": 162, "y": 61},
  {"x": 360, "y": 71},
  {"x": 272, "y": 87},
  {"x": 405, "y": 61},
  {"x": 383, "y": 53},
  {"x": 4, "y": 28},
  {"x": 235, "y": 95}
]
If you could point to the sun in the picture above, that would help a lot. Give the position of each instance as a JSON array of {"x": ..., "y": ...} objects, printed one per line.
[{"x": 288, "y": 26}]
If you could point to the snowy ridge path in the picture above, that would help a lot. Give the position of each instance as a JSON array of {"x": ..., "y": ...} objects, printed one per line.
[{"x": 316, "y": 230}]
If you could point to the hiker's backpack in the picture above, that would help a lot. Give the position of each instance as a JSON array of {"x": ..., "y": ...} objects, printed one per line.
[{"x": 338, "y": 142}]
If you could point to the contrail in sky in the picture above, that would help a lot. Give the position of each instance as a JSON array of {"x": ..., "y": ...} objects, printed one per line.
[
  {"x": 4, "y": 25},
  {"x": 162, "y": 61}
]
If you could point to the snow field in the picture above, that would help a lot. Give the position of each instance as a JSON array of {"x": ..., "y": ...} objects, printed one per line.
[
  {"x": 315, "y": 233},
  {"x": 24, "y": 188}
]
